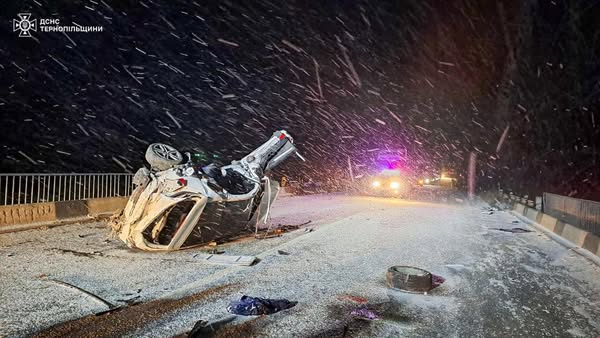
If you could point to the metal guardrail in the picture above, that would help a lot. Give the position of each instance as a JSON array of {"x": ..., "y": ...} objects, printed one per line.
[
  {"x": 38, "y": 188},
  {"x": 583, "y": 214}
]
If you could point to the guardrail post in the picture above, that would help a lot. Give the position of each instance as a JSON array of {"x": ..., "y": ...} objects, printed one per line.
[{"x": 538, "y": 202}]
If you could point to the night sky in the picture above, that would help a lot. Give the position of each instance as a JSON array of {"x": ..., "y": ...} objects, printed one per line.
[{"x": 441, "y": 79}]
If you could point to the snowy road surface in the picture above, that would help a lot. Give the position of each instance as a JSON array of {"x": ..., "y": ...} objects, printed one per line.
[{"x": 497, "y": 284}]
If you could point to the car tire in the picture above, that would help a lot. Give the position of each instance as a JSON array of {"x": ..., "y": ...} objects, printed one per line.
[
  {"x": 162, "y": 156},
  {"x": 409, "y": 279}
]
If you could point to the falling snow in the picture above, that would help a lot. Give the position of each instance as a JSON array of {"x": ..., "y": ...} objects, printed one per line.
[{"x": 516, "y": 84}]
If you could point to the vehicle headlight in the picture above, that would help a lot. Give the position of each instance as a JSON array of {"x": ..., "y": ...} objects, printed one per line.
[
  {"x": 376, "y": 184},
  {"x": 394, "y": 185},
  {"x": 426, "y": 181}
]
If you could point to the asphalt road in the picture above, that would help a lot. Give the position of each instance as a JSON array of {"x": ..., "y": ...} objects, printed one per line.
[{"x": 498, "y": 284}]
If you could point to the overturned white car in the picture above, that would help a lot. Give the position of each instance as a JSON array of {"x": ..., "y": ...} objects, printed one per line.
[{"x": 177, "y": 205}]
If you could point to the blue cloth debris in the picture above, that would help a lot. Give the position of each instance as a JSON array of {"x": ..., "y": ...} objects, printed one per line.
[{"x": 255, "y": 306}]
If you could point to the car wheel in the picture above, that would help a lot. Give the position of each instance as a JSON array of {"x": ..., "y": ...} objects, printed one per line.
[
  {"x": 162, "y": 156},
  {"x": 409, "y": 279}
]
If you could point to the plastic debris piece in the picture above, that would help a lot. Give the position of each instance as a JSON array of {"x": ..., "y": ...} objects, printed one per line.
[
  {"x": 436, "y": 281},
  {"x": 216, "y": 251},
  {"x": 226, "y": 260},
  {"x": 364, "y": 313},
  {"x": 255, "y": 306}
]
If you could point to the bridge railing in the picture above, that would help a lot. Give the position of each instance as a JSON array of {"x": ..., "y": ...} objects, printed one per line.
[
  {"x": 581, "y": 213},
  {"x": 28, "y": 188}
]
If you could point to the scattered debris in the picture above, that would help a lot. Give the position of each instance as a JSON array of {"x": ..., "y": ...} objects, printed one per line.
[
  {"x": 203, "y": 328},
  {"x": 227, "y": 260},
  {"x": 255, "y": 306},
  {"x": 73, "y": 287},
  {"x": 122, "y": 321},
  {"x": 216, "y": 251},
  {"x": 81, "y": 253},
  {"x": 293, "y": 226},
  {"x": 356, "y": 299},
  {"x": 275, "y": 233},
  {"x": 364, "y": 313},
  {"x": 279, "y": 230},
  {"x": 282, "y": 228},
  {"x": 496, "y": 205},
  {"x": 513, "y": 230},
  {"x": 129, "y": 301},
  {"x": 284, "y": 253}
]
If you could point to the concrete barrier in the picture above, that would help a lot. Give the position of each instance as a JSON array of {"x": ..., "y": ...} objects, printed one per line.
[
  {"x": 27, "y": 213},
  {"x": 577, "y": 237},
  {"x": 520, "y": 208},
  {"x": 23, "y": 216},
  {"x": 106, "y": 205},
  {"x": 548, "y": 222},
  {"x": 530, "y": 213}
]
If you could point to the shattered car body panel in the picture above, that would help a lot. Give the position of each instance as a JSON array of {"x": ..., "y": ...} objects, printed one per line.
[{"x": 185, "y": 205}]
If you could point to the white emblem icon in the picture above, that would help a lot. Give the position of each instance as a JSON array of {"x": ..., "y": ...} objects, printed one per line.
[{"x": 24, "y": 25}]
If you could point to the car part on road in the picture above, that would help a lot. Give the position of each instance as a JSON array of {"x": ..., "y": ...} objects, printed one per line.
[
  {"x": 513, "y": 230},
  {"x": 255, "y": 306},
  {"x": 215, "y": 251},
  {"x": 364, "y": 313},
  {"x": 87, "y": 293},
  {"x": 411, "y": 279},
  {"x": 205, "y": 329},
  {"x": 227, "y": 260}
]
